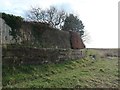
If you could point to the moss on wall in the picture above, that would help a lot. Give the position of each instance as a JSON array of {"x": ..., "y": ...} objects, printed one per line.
[{"x": 42, "y": 35}]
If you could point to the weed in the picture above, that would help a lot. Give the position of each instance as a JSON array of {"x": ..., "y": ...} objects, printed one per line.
[{"x": 102, "y": 70}]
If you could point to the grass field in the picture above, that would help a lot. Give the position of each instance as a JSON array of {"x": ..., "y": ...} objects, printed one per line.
[{"x": 98, "y": 72}]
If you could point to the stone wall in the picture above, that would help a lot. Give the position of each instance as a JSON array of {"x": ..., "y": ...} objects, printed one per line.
[
  {"x": 5, "y": 37},
  {"x": 47, "y": 37},
  {"x": 34, "y": 56}
]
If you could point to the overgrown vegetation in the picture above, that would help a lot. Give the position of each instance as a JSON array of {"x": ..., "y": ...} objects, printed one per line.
[
  {"x": 44, "y": 36},
  {"x": 101, "y": 72},
  {"x": 14, "y": 22},
  {"x": 37, "y": 31}
]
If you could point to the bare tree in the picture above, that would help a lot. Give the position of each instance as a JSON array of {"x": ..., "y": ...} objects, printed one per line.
[
  {"x": 86, "y": 37},
  {"x": 52, "y": 16},
  {"x": 34, "y": 14}
]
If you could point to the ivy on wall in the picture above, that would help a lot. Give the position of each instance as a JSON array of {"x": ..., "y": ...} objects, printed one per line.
[{"x": 14, "y": 22}]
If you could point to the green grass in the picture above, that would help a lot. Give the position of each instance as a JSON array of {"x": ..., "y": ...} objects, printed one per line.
[{"x": 86, "y": 72}]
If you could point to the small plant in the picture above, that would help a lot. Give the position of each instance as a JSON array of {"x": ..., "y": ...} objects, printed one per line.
[
  {"x": 70, "y": 67},
  {"x": 53, "y": 72},
  {"x": 102, "y": 70}
]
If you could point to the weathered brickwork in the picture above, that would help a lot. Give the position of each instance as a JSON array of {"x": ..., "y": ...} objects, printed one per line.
[{"x": 76, "y": 41}]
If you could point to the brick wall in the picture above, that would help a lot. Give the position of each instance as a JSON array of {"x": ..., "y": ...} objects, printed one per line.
[{"x": 76, "y": 41}]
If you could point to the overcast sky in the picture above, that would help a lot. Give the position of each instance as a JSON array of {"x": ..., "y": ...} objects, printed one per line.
[{"x": 100, "y": 17}]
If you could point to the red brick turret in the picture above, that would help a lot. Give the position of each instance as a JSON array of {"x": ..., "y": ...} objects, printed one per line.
[{"x": 76, "y": 41}]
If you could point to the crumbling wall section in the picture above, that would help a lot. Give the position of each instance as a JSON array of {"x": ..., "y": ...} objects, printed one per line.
[{"x": 19, "y": 56}]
